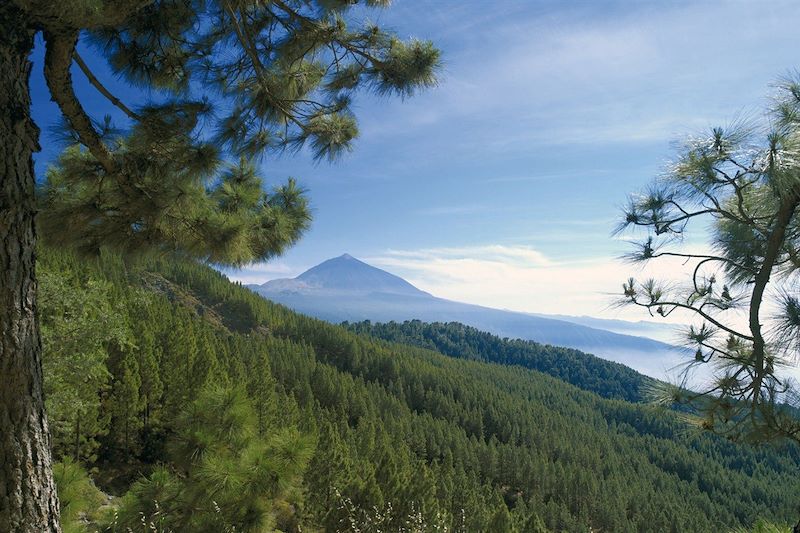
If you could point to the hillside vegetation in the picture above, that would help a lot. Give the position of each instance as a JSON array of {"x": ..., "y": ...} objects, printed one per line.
[
  {"x": 606, "y": 378},
  {"x": 203, "y": 407}
]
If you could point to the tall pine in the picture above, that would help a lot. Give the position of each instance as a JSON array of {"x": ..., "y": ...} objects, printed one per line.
[{"x": 176, "y": 175}]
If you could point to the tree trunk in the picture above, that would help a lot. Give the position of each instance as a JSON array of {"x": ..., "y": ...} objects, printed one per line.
[{"x": 28, "y": 500}]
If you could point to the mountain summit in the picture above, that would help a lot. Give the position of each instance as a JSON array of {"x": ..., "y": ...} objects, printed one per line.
[
  {"x": 343, "y": 274},
  {"x": 346, "y": 289}
]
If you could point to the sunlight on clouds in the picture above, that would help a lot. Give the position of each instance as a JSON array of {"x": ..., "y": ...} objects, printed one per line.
[
  {"x": 521, "y": 278},
  {"x": 496, "y": 254}
]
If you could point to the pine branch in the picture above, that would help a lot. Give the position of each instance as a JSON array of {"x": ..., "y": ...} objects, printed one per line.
[
  {"x": 704, "y": 257},
  {"x": 57, "y": 60},
  {"x": 347, "y": 46},
  {"x": 774, "y": 244},
  {"x": 56, "y": 17},
  {"x": 101, "y": 88},
  {"x": 693, "y": 309},
  {"x": 250, "y": 49}
]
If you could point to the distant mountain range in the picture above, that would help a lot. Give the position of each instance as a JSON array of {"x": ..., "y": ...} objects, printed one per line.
[{"x": 346, "y": 289}]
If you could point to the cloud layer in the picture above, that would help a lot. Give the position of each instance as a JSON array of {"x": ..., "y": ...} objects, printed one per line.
[{"x": 521, "y": 278}]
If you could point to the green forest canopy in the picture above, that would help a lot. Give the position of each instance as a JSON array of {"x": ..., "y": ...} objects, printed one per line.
[{"x": 358, "y": 431}]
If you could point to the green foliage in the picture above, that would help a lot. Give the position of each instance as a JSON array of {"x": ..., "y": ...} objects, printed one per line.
[
  {"x": 81, "y": 323},
  {"x": 608, "y": 379},
  {"x": 762, "y": 526},
  {"x": 406, "y": 438},
  {"x": 281, "y": 75},
  {"x": 78, "y": 496},
  {"x": 125, "y": 401},
  {"x": 170, "y": 208},
  {"x": 224, "y": 477},
  {"x": 501, "y": 521},
  {"x": 741, "y": 184}
]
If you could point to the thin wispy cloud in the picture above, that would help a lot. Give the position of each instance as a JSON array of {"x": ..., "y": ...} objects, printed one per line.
[
  {"x": 547, "y": 116},
  {"x": 572, "y": 77},
  {"x": 522, "y": 278},
  {"x": 454, "y": 210},
  {"x": 258, "y": 273},
  {"x": 537, "y": 177},
  {"x": 471, "y": 209}
]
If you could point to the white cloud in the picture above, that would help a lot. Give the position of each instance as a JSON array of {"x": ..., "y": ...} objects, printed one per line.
[
  {"x": 648, "y": 72},
  {"x": 522, "y": 278},
  {"x": 523, "y": 256},
  {"x": 258, "y": 273}
]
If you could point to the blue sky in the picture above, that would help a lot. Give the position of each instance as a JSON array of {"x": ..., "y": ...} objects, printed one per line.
[{"x": 501, "y": 186}]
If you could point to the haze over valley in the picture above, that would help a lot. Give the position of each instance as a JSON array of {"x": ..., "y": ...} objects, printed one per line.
[{"x": 347, "y": 289}]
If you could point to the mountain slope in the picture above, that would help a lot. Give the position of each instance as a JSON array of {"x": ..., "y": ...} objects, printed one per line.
[
  {"x": 660, "y": 331},
  {"x": 345, "y": 289},
  {"x": 402, "y": 430},
  {"x": 590, "y": 373},
  {"x": 577, "y": 433},
  {"x": 344, "y": 274}
]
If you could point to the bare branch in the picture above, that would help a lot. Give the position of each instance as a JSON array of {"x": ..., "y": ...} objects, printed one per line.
[
  {"x": 689, "y": 307},
  {"x": 706, "y": 257},
  {"x": 101, "y": 88}
]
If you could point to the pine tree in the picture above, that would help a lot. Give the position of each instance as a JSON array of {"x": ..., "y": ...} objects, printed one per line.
[
  {"x": 177, "y": 362},
  {"x": 742, "y": 183},
  {"x": 205, "y": 365},
  {"x": 151, "y": 389},
  {"x": 226, "y": 478},
  {"x": 80, "y": 325},
  {"x": 332, "y": 472},
  {"x": 126, "y": 402},
  {"x": 501, "y": 520},
  {"x": 261, "y": 388},
  {"x": 282, "y": 72}
]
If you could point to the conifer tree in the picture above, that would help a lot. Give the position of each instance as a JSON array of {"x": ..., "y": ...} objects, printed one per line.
[
  {"x": 149, "y": 354},
  {"x": 280, "y": 73},
  {"x": 178, "y": 361},
  {"x": 744, "y": 183},
  {"x": 332, "y": 470},
  {"x": 80, "y": 325},
  {"x": 226, "y": 477},
  {"x": 126, "y": 402},
  {"x": 501, "y": 520},
  {"x": 261, "y": 388},
  {"x": 534, "y": 524},
  {"x": 205, "y": 366}
]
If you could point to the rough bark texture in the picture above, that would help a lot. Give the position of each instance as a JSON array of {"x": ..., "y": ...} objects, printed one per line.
[{"x": 28, "y": 500}]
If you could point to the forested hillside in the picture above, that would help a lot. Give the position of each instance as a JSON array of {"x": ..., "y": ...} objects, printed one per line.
[
  {"x": 204, "y": 407},
  {"x": 606, "y": 378}
]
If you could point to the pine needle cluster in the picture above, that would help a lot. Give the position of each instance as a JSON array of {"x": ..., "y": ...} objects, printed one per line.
[
  {"x": 742, "y": 183},
  {"x": 223, "y": 83}
]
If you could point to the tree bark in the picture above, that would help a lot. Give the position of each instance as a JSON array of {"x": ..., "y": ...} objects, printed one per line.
[{"x": 28, "y": 499}]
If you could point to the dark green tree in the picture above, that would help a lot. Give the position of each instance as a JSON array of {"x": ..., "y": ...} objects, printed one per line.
[
  {"x": 126, "y": 403},
  {"x": 151, "y": 388},
  {"x": 178, "y": 362},
  {"x": 280, "y": 73},
  {"x": 501, "y": 520},
  {"x": 225, "y": 476},
  {"x": 80, "y": 325},
  {"x": 743, "y": 183}
]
